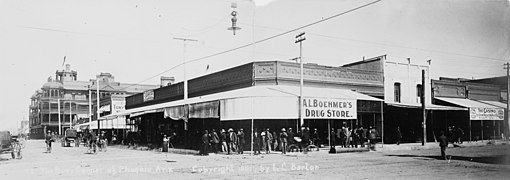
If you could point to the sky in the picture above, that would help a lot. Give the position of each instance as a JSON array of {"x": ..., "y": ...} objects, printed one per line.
[{"x": 135, "y": 39}]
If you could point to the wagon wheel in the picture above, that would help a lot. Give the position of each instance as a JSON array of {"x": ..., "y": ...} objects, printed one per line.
[{"x": 293, "y": 148}]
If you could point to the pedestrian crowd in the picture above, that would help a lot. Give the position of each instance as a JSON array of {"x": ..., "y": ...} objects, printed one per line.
[{"x": 265, "y": 140}]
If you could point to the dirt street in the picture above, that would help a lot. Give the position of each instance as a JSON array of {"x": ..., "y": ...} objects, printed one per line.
[{"x": 486, "y": 162}]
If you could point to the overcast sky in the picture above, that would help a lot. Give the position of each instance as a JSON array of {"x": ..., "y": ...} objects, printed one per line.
[{"x": 133, "y": 39}]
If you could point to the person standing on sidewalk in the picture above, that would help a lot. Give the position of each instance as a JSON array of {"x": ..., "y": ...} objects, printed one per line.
[
  {"x": 315, "y": 138},
  {"x": 443, "y": 143},
  {"x": 283, "y": 140},
  {"x": 240, "y": 137},
  {"x": 399, "y": 135},
  {"x": 372, "y": 136},
  {"x": 165, "y": 143},
  {"x": 215, "y": 140},
  {"x": 257, "y": 142},
  {"x": 223, "y": 139}
]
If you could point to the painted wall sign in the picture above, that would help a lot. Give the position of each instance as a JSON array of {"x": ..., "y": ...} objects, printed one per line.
[
  {"x": 148, "y": 95},
  {"x": 320, "y": 108}
]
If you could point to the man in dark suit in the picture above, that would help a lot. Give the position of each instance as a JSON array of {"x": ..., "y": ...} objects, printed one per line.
[{"x": 443, "y": 143}]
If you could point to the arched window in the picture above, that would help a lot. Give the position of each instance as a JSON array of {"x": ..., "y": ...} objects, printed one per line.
[{"x": 396, "y": 87}]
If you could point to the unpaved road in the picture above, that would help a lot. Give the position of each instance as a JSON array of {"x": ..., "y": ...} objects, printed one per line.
[{"x": 486, "y": 162}]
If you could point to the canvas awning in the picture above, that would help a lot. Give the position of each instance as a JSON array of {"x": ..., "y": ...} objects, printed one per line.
[
  {"x": 428, "y": 106},
  {"x": 495, "y": 103},
  {"x": 260, "y": 102},
  {"x": 477, "y": 110}
]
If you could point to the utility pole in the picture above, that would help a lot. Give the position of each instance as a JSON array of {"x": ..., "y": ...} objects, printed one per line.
[
  {"x": 184, "y": 74},
  {"x": 422, "y": 99},
  {"x": 299, "y": 39},
  {"x": 507, "y": 122},
  {"x": 97, "y": 100},
  {"x": 184, "y": 64}
]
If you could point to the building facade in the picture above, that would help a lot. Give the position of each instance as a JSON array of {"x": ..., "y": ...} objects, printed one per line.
[
  {"x": 484, "y": 117},
  {"x": 63, "y": 101},
  {"x": 257, "y": 96}
]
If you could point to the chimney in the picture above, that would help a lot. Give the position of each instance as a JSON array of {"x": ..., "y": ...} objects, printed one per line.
[
  {"x": 167, "y": 81},
  {"x": 68, "y": 68}
]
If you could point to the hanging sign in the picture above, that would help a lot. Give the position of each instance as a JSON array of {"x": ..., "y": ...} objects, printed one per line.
[
  {"x": 321, "y": 108},
  {"x": 486, "y": 113}
]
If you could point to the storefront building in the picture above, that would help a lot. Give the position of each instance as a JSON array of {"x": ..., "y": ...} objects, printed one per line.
[
  {"x": 484, "y": 117},
  {"x": 403, "y": 91},
  {"x": 258, "y": 95}
]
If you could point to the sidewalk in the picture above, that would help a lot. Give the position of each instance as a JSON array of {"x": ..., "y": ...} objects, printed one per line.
[
  {"x": 434, "y": 145},
  {"x": 379, "y": 147}
]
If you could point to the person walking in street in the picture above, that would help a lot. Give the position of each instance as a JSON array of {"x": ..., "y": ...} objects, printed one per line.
[
  {"x": 241, "y": 141},
  {"x": 443, "y": 143},
  {"x": 48, "y": 141},
  {"x": 215, "y": 140},
  {"x": 315, "y": 138},
  {"x": 399, "y": 135},
  {"x": 283, "y": 140}
]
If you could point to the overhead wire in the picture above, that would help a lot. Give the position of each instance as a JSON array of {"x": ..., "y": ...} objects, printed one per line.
[{"x": 259, "y": 41}]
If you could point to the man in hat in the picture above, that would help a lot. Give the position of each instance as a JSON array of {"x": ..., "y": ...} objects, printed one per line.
[
  {"x": 232, "y": 140},
  {"x": 215, "y": 140},
  {"x": 241, "y": 141},
  {"x": 290, "y": 138},
  {"x": 283, "y": 140},
  {"x": 268, "y": 141},
  {"x": 223, "y": 139}
]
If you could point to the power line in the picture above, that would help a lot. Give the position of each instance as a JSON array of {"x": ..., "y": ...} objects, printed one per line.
[
  {"x": 393, "y": 45},
  {"x": 259, "y": 41}
]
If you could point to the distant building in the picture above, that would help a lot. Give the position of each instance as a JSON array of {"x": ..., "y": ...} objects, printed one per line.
[{"x": 66, "y": 100}]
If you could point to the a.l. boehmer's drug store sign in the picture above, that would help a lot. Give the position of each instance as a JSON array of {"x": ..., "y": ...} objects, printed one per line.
[{"x": 319, "y": 108}]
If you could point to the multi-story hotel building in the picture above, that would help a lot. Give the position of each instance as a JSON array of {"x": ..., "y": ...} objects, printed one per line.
[{"x": 63, "y": 101}]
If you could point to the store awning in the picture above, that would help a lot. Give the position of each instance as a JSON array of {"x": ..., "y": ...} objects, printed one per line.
[
  {"x": 428, "y": 106},
  {"x": 466, "y": 102},
  {"x": 478, "y": 110},
  {"x": 495, "y": 103},
  {"x": 260, "y": 102}
]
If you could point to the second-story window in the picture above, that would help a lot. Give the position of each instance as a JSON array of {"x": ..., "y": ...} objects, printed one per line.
[
  {"x": 419, "y": 92},
  {"x": 397, "y": 91}
]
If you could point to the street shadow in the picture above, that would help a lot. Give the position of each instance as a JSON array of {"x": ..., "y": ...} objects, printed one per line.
[
  {"x": 4, "y": 159},
  {"x": 498, "y": 159}
]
